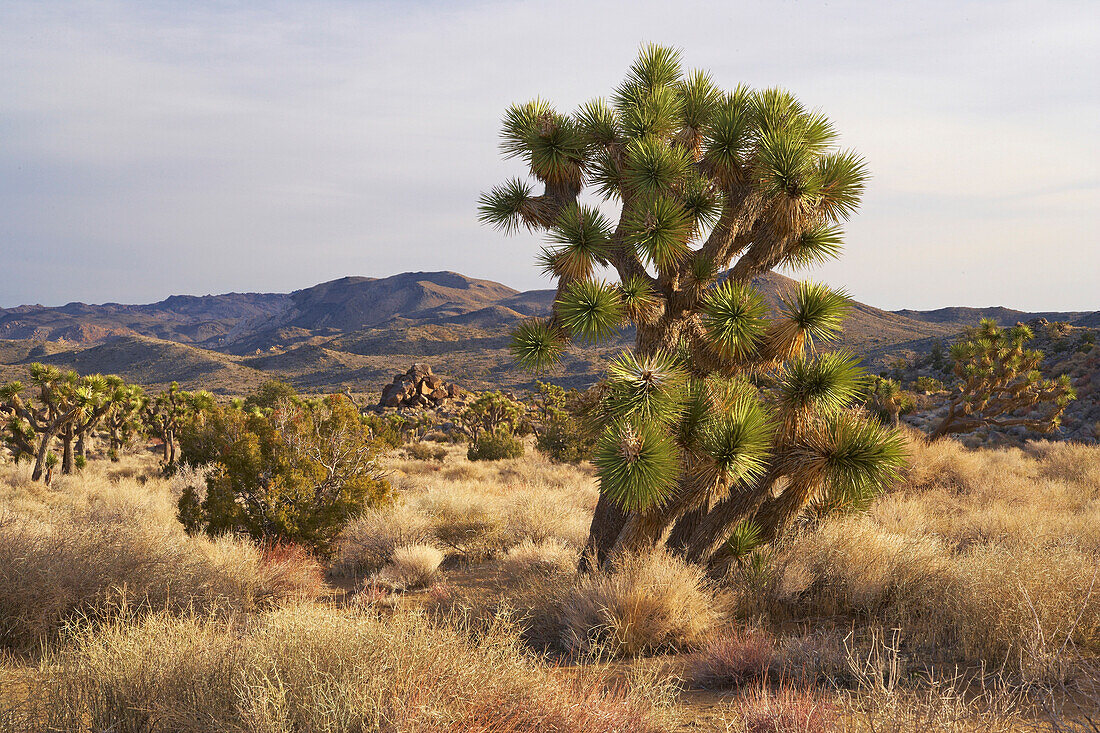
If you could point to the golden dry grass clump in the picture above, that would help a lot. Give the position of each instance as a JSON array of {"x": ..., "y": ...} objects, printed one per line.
[
  {"x": 644, "y": 604},
  {"x": 310, "y": 668},
  {"x": 987, "y": 555},
  {"x": 101, "y": 540},
  {"x": 411, "y": 567}
]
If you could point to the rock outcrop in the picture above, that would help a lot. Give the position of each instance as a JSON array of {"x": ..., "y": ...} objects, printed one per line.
[{"x": 418, "y": 387}]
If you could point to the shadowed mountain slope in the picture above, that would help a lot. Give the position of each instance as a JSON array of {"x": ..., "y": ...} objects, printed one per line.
[{"x": 355, "y": 332}]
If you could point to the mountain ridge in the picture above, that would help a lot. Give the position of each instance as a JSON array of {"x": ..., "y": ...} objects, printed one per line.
[{"x": 355, "y": 331}]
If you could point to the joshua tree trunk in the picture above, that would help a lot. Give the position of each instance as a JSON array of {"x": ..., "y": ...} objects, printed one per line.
[
  {"x": 40, "y": 456},
  {"x": 67, "y": 461}
]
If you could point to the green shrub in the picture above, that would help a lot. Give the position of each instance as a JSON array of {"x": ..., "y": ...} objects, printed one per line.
[
  {"x": 386, "y": 430},
  {"x": 425, "y": 452},
  {"x": 297, "y": 475},
  {"x": 563, "y": 440},
  {"x": 928, "y": 385},
  {"x": 269, "y": 394},
  {"x": 494, "y": 447}
]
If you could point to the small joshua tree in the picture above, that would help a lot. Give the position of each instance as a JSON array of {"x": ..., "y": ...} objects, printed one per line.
[
  {"x": 887, "y": 396},
  {"x": 169, "y": 411},
  {"x": 123, "y": 419},
  {"x": 58, "y": 399},
  {"x": 999, "y": 384},
  {"x": 722, "y": 413}
]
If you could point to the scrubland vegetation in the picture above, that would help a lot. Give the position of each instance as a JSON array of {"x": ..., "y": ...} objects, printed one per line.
[
  {"x": 963, "y": 599},
  {"x": 716, "y": 536}
]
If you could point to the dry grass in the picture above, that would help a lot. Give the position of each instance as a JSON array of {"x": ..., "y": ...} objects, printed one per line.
[
  {"x": 983, "y": 559},
  {"x": 548, "y": 557},
  {"x": 309, "y": 668},
  {"x": 981, "y": 556},
  {"x": 100, "y": 539},
  {"x": 647, "y": 603},
  {"x": 732, "y": 659},
  {"x": 476, "y": 510},
  {"x": 411, "y": 567}
]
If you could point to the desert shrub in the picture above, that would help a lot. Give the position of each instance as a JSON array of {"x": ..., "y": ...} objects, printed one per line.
[
  {"x": 298, "y": 475},
  {"x": 83, "y": 563},
  {"x": 410, "y": 567},
  {"x": 493, "y": 413},
  {"x": 564, "y": 441},
  {"x": 387, "y": 430},
  {"x": 645, "y": 603},
  {"x": 559, "y": 434},
  {"x": 732, "y": 659},
  {"x": 424, "y": 452},
  {"x": 549, "y": 557},
  {"x": 314, "y": 668},
  {"x": 269, "y": 395},
  {"x": 367, "y": 543},
  {"x": 786, "y": 710},
  {"x": 472, "y": 528},
  {"x": 495, "y": 446},
  {"x": 928, "y": 385},
  {"x": 984, "y": 556}
]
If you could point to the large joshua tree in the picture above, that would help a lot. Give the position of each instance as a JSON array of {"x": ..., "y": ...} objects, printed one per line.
[{"x": 723, "y": 415}]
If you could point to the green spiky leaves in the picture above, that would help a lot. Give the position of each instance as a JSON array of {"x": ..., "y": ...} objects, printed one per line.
[
  {"x": 590, "y": 310},
  {"x": 843, "y": 177},
  {"x": 814, "y": 246},
  {"x": 734, "y": 319},
  {"x": 653, "y": 167},
  {"x": 739, "y": 439},
  {"x": 581, "y": 233},
  {"x": 730, "y": 136},
  {"x": 637, "y": 297},
  {"x": 812, "y": 314},
  {"x": 536, "y": 345},
  {"x": 652, "y": 388},
  {"x": 504, "y": 206},
  {"x": 598, "y": 123},
  {"x": 824, "y": 384},
  {"x": 637, "y": 465},
  {"x": 660, "y": 232},
  {"x": 850, "y": 455}
]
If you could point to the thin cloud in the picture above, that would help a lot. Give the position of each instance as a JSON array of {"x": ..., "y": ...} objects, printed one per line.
[{"x": 158, "y": 148}]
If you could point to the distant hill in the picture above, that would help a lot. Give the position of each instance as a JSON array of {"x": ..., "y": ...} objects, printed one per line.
[
  {"x": 356, "y": 332},
  {"x": 959, "y": 317},
  {"x": 147, "y": 361},
  {"x": 180, "y": 318}
]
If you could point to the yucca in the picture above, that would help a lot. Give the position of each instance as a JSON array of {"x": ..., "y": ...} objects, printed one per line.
[{"x": 723, "y": 416}]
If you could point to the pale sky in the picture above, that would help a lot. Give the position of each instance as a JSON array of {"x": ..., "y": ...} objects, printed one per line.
[{"x": 156, "y": 148}]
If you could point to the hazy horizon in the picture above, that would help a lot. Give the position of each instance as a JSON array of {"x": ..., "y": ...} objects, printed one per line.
[{"x": 152, "y": 149}]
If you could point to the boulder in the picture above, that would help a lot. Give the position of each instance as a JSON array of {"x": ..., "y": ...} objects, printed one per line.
[{"x": 419, "y": 387}]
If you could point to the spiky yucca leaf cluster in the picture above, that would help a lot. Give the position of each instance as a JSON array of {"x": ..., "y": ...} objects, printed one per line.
[{"x": 725, "y": 399}]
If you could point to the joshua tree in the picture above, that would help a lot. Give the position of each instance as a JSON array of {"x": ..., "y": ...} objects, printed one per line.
[
  {"x": 94, "y": 395},
  {"x": 123, "y": 418},
  {"x": 169, "y": 410},
  {"x": 490, "y": 412},
  {"x": 1000, "y": 385},
  {"x": 721, "y": 414},
  {"x": 58, "y": 398},
  {"x": 888, "y": 397}
]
